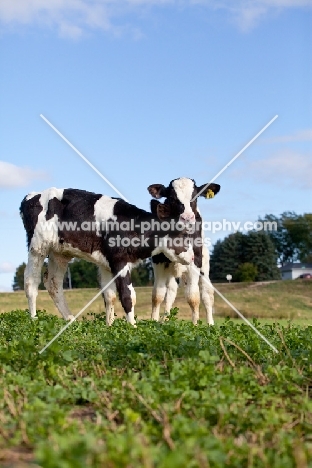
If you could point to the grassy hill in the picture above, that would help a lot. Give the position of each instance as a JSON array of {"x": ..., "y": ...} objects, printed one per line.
[{"x": 276, "y": 300}]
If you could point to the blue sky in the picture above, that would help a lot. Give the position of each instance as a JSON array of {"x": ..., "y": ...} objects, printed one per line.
[{"x": 149, "y": 91}]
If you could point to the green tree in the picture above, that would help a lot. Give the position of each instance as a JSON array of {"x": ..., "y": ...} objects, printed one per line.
[
  {"x": 299, "y": 228},
  {"x": 246, "y": 272},
  {"x": 293, "y": 237},
  {"x": 83, "y": 274},
  {"x": 260, "y": 251},
  {"x": 236, "y": 249},
  {"x": 284, "y": 247},
  {"x": 226, "y": 257},
  {"x": 142, "y": 274}
]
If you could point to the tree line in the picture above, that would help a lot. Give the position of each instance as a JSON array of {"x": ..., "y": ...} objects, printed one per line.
[
  {"x": 293, "y": 237},
  {"x": 254, "y": 256}
]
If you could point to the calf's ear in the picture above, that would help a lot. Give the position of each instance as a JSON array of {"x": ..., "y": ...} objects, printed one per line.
[
  {"x": 157, "y": 190},
  {"x": 208, "y": 190},
  {"x": 163, "y": 211}
]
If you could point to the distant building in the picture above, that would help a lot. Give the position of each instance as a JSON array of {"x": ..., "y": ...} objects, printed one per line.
[{"x": 295, "y": 270}]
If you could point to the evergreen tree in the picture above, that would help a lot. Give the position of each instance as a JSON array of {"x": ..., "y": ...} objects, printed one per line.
[
  {"x": 254, "y": 248},
  {"x": 226, "y": 257},
  {"x": 83, "y": 274},
  {"x": 284, "y": 247},
  {"x": 260, "y": 251}
]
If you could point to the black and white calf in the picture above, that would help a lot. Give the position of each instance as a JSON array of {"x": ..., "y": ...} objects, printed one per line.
[
  {"x": 165, "y": 286},
  {"x": 180, "y": 204},
  {"x": 67, "y": 223}
]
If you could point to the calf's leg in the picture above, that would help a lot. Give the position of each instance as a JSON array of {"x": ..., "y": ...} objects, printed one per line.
[
  {"x": 192, "y": 292},
  {"x": 161, "y": 278},
  {"x": 207, "y": 291},
  {"x": 172, "y": 288},
  {"x": 126, "y": 293},
  {"x": 109, "y": 294},
  {"x": 207, "y": 294},
  {"x": 32, "y": 278},
  {"x": 53, "y": 281}
]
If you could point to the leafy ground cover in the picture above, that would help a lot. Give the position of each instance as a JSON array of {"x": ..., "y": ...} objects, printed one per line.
[{"x": 162, "y": 395}]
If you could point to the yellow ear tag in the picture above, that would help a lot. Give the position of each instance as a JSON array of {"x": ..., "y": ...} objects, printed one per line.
[{"x": 209, "y": 194}]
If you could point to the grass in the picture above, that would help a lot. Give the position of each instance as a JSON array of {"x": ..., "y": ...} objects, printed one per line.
[
  {"x": 288, "y": 300},
  {"x": 163, "y": 395}
]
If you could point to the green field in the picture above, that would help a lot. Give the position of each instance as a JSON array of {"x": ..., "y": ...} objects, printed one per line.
[{"x": 162, "y": 395}]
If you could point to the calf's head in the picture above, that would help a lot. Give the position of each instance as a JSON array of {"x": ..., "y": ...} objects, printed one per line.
[{"x": 181, "y": 198}]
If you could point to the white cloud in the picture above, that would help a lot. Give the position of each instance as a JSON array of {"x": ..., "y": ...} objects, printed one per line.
[
  {"x": 248, "y": 13},
  {"x": 73, "y": 17},
  {"x": 7, "y": 267},
  {"x": 70, "y": 16},
  {"x": 298, "y": 136},
  {"x": 285, "y": 168},
  {"x": 12, "y": 176}
]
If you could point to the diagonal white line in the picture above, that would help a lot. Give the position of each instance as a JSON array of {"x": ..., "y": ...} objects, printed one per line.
[
  {"x": 108, "y": 284},
  {"x": 236, "y": 156},
  {"x": 238, "y": 312},
  {"x": 82, "y": 310},
  {"x": 83, "y": 157}
]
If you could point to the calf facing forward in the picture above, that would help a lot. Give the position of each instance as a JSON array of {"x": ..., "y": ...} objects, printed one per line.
[
  {"x": 67, "y": 223},
  {"x": 181, "y": 202}
]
